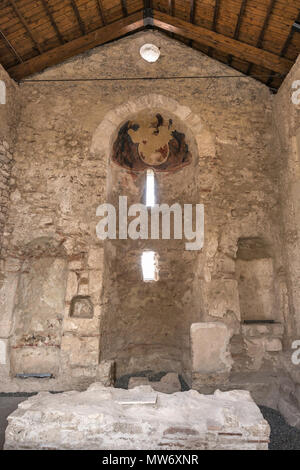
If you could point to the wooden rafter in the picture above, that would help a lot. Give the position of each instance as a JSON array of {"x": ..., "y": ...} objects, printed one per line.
[
  {"x": 223, "y": 43},
  {"x": 289, "y": 38},
  {"x": 11, "y": 47},
  {"x": 192, "y": 11},
  {"x": 100, "y": 36},
  {"x": 284, "y": 49},
  {"x": 214, "y": 25},
  {"x": 52, "y": 21},
  {"x": 124, "y": 7},
  {"x": 25, "y": 24},
  {"x": 263, "y": 29},
  {"x": 101, "y": 12},
  {"x": 192, "y": 16},
  {"x": 78, "y": 17},
  {"x": 171, "y": 7},
  {"x": 238, "y": 25}
]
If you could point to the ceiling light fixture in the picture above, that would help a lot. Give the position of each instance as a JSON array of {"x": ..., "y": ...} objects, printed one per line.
[{"x": 150, "y": 52}]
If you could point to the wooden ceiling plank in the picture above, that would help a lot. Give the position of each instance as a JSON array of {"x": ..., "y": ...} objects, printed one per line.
[
  {"x": 238, "y": 25},
  {"x": 52, "y": 20},
  {"x": 284, "y": 49},
  {"x": 124, "y": 8},
  {"x": 66, "y": 24},
  {"x": 223, "y": 43},
  {"x": 101, "y": 12},
  {"x": 289, "y": 38},
  {"x": 78, "y": 17},
  {"x": 263, "y": 29},
  {"x": 83, "y": 43},
  {"x": 11, "y": 47},
  {"x": 24, "y": 22}
]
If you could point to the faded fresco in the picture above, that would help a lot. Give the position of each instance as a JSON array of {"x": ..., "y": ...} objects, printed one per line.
[{"x": 151, "y": 141}]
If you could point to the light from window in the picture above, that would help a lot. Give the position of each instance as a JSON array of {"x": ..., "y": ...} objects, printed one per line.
[
  {"x": 149, "y": 266},
  {"x": 150, "y": 189}
]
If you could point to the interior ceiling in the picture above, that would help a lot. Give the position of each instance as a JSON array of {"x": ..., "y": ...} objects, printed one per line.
[{"x": 260, "y": 38}]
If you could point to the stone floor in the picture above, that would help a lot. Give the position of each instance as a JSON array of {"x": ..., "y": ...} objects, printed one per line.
[{"x": 283, "y": 436}]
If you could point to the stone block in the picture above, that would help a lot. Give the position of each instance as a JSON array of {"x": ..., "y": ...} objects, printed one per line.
[
  {"x": 95, "y": 258},
  {"x": 35, "y": 360},
  {"x": 138, "y": 381},
  {"x": 7, "y": 298},
  {"x": 106, "y": 372},
  {"x": 273, "y": 344},
  {"x": 72, "y": 286},
  {"x": 223, "y": 297},
  {"x": 116, "y": 419},
  {"x": 80, "y": 351},
  {"x": 95, "y": 283},
  {"x": 209, "y": 347},
  {"x": 75, "y": 265},
  {"x": 169, "y": 383}
]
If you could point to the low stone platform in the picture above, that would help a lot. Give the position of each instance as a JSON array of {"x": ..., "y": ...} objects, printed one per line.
[{"x": 104, "y": 418}]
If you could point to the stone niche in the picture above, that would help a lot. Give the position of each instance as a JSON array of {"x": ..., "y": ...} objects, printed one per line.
[
  {"x": 260, "y": 296},
  {"x": 38, "y": 310},
  {"x": 146, "y": 325},
  {"x": 256, "y": 283},
  {"x": 81, "y": 307}
]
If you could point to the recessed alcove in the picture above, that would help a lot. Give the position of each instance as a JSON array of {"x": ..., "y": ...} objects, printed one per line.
[
  {"x": 146, "y": 324},
  {"x": 81, "y": 307},
  {"x": 256, "y": 282},
  {"x": 39, "y": 308}
]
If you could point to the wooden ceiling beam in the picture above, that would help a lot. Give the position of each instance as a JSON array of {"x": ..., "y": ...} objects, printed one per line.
[
  {"x": 192, "y": 11},
  {"x": 101, "y": 12},
  {"x": 214, "y": 25},
  {"x": 10, "y": 47},
  {"x": 77, "y": 46},
  {"x": 263, "y": 29},
  {"x": 192, "y": 16},
  {"x": 238, "y": 25},
  {"x": 78, "y": 17},
  {"x": 52, "y": 21},
  {"x": 171, "y": 7},
  {"x": 25, "y": 24},
  {"x": 124, "y": 7},
  {"x": 223, "y": 43}
]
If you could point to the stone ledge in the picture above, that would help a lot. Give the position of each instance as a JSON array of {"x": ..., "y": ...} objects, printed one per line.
[{"x": 258, "y": 329}]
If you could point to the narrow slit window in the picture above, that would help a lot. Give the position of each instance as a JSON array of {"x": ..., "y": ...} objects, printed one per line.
[
  {"x": 150, "y": 189},
  {"x": 149, "y": 266}
]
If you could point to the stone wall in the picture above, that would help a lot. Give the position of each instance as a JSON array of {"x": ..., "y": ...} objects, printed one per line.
[
  {"x": 62, "y": 173},
  {"x": 9, "y": 110},
  {"x": 8, "y": 120},
  {"x": 287, "y": 132}
]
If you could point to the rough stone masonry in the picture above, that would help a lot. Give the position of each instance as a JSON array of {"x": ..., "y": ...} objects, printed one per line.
[{"x": 71, "y": 303}]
